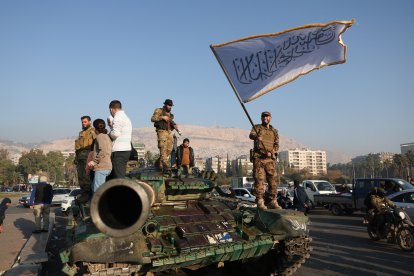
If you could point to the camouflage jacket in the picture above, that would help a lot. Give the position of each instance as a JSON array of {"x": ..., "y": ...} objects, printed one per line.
[
  {"x": 269, "y": 143},
  {"x": 159, "y": 123},
  {"x": 380, "y": 203},
  {"x": 85, "y": 140}
]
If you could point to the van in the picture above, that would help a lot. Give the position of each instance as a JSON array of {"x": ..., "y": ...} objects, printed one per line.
[{"x": 317, "y": 187}]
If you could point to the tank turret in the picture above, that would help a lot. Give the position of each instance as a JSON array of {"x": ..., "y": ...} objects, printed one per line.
[{"x": 153, "y": 223}]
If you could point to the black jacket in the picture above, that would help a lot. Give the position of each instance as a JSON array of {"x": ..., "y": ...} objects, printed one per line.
[
  {"x": 300, "y": 198},
  {"x": 42, "y": 193},
  {"x": 3, "y": 208},
  {"x": 180, "y": 155}
]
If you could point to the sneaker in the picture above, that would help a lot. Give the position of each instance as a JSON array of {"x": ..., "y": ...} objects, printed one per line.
[{"x": 36, "y": 231}]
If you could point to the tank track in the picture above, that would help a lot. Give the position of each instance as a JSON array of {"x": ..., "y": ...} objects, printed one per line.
[
  {"x": 284, "y": 260},
  {"x": 294, "y": 253}
]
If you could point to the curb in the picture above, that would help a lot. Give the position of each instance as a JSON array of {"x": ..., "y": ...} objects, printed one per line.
[{"x": 33, "y": 254}]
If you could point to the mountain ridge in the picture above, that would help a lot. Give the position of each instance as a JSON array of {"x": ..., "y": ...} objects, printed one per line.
[{"x": 206, "y": 141}]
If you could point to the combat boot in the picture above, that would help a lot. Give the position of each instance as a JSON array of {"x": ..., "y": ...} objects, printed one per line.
[
  {"x": 261, "y": 204},
  {"x": 274, "y": 205}
]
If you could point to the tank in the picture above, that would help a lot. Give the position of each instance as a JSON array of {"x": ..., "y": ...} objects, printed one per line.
[{"x": 152, "y": 224}]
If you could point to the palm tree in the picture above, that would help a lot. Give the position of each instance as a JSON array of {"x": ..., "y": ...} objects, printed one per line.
[
  {"x": 400, "y": 162},
  {"x": 410, "y": 162}
]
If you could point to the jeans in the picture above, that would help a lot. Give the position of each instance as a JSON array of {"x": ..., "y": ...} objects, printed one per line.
[{"x": 99, "y": 178}]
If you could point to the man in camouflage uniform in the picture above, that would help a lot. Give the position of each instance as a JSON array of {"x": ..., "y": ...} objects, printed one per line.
[
  {"x": 164, "y": 124},
  {"x": 266, "y": 145},
  {"x": 379, "y": 203},
  {"x": 83, "y": 145}
]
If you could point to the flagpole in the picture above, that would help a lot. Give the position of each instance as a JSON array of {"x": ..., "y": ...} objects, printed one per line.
[
  {"x": 237, "y": 94},
  {"x": 234, "y": 88}
]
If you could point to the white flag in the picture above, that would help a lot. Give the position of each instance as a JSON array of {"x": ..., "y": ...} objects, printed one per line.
[{"x": 258, "y": 64}]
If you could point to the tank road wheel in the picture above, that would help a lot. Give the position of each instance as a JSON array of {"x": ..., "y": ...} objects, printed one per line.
[
  {"x": 372, "y": 232},
  {"x": 336, "y": 210},
  {"x": 405, "y": 239}
]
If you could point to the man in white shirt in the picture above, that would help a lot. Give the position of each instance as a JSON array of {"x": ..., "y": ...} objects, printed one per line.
[{"x": 121, "y": 135}]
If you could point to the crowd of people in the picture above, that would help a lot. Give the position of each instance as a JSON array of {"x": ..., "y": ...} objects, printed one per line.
[{"x": 102, "y": 154}]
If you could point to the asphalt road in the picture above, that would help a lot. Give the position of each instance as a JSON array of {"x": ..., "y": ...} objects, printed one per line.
[{"x": 340, "y": 244}]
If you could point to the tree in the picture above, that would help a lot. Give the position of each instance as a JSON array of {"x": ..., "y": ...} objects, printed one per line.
[
  {"x": 150, "y": 158},
  {"x": 32, "y": 162},
  {"x": 55, "y": 166},
  {"x": 410, "y": 162},
  {"x": 8, "y": 174},
  {"x": 70, "y": 173},
  {"x": 400, "y": 162},
  {"x": 4, "y": 154}
]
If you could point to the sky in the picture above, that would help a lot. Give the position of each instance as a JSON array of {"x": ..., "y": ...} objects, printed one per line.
[{"x": 60, "y": 60}]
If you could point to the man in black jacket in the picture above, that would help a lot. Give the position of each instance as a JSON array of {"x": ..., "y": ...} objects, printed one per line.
[
  {"x": 5, "y": 203},
  {"x": 185, "y": 157},
  {"x": 300, "y": 198},
  {"x": 40, "y": 200}
]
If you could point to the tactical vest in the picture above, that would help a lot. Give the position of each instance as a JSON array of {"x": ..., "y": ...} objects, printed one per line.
[
  {"x": 268, "y": 139},
  {"x": 163, "y": 125},
  {"x": 85, "y": 139}
]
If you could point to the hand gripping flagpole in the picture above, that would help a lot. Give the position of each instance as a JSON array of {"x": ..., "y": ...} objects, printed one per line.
[{"x": 235, "y": 92}]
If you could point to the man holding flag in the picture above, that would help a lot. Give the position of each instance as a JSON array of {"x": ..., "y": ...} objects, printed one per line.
[
  {"x": 266, "y": 145},
  {"x": 257, "y": 64}
]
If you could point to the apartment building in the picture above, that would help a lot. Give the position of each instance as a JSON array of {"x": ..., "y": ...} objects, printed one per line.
[{"x": 312, "y": 160}]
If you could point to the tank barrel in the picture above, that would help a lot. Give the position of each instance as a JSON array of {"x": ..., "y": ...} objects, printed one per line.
[{"x": 121, "y": 206}]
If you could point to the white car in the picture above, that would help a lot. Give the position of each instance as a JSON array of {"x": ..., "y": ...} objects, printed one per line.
[
  {"x": 244, "y": 194},
  {"x": 68, "y": 200},
  {"x": 59, "y": 194}
]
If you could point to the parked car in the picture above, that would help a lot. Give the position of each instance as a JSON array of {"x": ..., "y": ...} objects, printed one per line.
[
  {"x": 404, "y": 199},
  {"x": 68, "y": 200},
  {"x": 25, "y": 201},
  {"x": 59, "y": 195},
  {"x": 244, "y": 194}
]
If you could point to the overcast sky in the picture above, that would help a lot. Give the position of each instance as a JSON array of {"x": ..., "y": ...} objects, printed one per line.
[{"x": 60, "y": 60}]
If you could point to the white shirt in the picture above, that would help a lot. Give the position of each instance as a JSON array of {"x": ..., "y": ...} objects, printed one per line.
[{"x": 121, "y": 132}]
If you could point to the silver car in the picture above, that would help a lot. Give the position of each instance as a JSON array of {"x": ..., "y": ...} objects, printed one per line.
[
  {"x": 244, "y": 194},
  {"x": 404, "y": 199}
]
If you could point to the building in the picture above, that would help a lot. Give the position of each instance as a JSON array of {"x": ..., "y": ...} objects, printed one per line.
[
  {"x": 200, "y": 163},
  {"x": 15, "y": 157},
  {"x": 382, "y": 157},
  {"x": 216, "y": 164},
  {"x": 140, "y": 148},
  {"x": 407, "y": 147},
  {"x": 244, "y": 166},
  {"x": 312, "y": 160},
  {"x": 66, "y": 154}
]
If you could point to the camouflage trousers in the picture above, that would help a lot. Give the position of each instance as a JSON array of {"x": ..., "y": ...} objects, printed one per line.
[
  {"x": 84, "y": 180},
  {"x": 165, "y": 144},
  {"x": 264, "y": 169}
]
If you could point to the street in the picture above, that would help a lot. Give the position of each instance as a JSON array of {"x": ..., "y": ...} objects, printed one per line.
[{"x": 340, "y": 244}]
